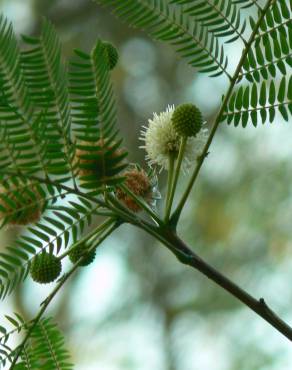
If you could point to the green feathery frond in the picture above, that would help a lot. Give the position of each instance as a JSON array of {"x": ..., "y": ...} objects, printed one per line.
[
  {"x": 22, "y": 147},
  {"x": 265, "y": 85},
  {"x": 13, "y": 87},
  {"x": 21, "y": 201},
  {"x": 271, "y": 51},
  {"x": 57, "y": 230},
  {"x": 38, "y": 119},
  {"x": 45, "y": 349},
  {"x": 221, "y": 17},
  {"x": 46, "y": 79},
  {"x": 260, "y": 102},
  {"x": 19, "y": 146},
  {"x": 18, "y": 325},
  {"x": 31, "y": 139},
  {"x": 99, "y": 156},
  {"x": 191, "y": 41}
]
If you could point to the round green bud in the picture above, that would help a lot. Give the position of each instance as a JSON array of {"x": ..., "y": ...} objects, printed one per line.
[
  {"x": 187, "y": 120},
  {"x": 45, "y": 268},
  {"x": 81, "y": 251},
  {"x": 112, "y": 54}
]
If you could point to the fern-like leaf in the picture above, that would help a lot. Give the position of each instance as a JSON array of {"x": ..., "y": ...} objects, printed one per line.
[
  {"x": 100, "y": 156},
  {"x": 47, "y": 346},
  {"x": 271, "y": 52},
  {"x": 42, "y": 126},
  {"x": 260, "y": 102},
  {"x": 44, "y": 350},
  {"x": 221, "y": 17},
  {"x": 195, "y": 43},
  {"x": 264, "y": 83},
  {"x": 46, "y": 78},
  {"x": 18, "y": 325},
  {"x": 55, "y": 232},
  {"x": 18, "y": 126}
]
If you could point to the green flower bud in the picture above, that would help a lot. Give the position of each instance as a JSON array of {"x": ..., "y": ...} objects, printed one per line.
[
  {"x": 187, "y": 120},
  {"x": 112, "y": 54},
  {"x": 45, "y": 268},
  {"x": 81, "y": 251}
]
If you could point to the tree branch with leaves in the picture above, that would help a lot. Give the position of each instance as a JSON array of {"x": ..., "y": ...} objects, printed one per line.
[{"x": 62, "y": 160}]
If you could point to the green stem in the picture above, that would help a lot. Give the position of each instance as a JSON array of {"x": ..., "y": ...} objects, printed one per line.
[
  {"x": 176, "y": 176},
  {"x": 60, "y": 208},
  {"x": 171, "y": 161},
  {"x": 48, "y": 300},
  {"x": 98, "y": 230},
  {"x": 131, "y": 218},
  {"x": 176, "y": 215}
]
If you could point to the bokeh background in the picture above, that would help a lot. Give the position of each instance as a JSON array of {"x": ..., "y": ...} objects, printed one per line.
[{"x": 136, "y": 307}]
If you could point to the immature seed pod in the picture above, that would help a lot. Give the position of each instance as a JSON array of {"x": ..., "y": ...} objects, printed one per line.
[
  {"x": 187, "y": 120},
  {"x": 139, "y": 183},
  {"x": 45, "y": 268},
  {"x": 112, "y": 54},
  {"x": 81, "y": 251},
  {"x": 21, "y": 207}
]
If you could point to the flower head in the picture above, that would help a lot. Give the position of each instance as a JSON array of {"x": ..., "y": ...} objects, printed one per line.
[
  {"x": 140, "y": 183},
  {"x": 161, "y": 140}
]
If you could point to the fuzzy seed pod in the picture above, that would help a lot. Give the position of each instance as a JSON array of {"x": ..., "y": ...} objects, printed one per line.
[
  {"x": 45, "y": 268},
  {"x": 139, "y": 183},
  {"x": 91, "y": 162},
  {"x": 187, "y": 120},
  {"x": 80, "y": 251},
  {"x": 112, "y": 55},
  {"x": 22, "y": 207}
]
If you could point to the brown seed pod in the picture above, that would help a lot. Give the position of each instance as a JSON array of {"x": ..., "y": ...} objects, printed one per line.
[
  {"x": 139, "y": 183},
  {"x": 21, "y": 206},
  {"x": 93, "y": 159}
]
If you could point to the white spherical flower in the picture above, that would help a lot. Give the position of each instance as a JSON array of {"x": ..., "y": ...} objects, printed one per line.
[{"x": 161, "y": 140}]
